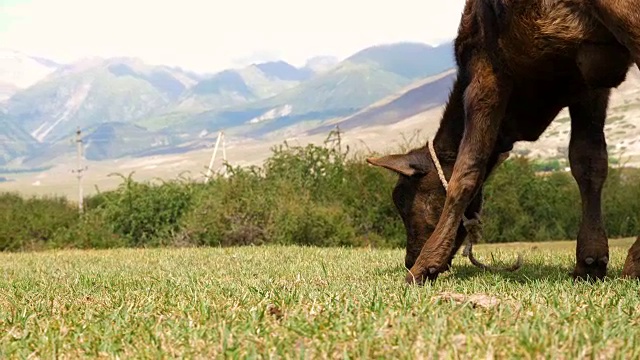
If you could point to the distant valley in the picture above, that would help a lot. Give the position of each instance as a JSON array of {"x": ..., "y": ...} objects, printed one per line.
[{"x": 165, "y": 119}]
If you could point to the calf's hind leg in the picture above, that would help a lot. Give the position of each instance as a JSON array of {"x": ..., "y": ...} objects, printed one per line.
[
  {"x": 589, "y": 167},
  {"x": 632, "y": 264},
  {"x": 622, "y": 18}
]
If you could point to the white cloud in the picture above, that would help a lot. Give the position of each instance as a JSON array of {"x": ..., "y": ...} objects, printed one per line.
[{"x": 209, "y": 35}]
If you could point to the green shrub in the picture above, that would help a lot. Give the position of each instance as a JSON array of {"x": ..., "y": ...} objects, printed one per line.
[
  {"x": 520, "y": 205},
  {"x": 231, "y": 211},
  {"x": 621, "y": 202},
  {"x": 32, "y": 223},
  {"x": 92, "y": 231},
  {"x": 301, "y": 221},
  {"x": 141, "y": 214}
]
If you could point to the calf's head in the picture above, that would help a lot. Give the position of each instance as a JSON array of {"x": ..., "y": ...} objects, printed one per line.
[{"x": 418, "y": 196}]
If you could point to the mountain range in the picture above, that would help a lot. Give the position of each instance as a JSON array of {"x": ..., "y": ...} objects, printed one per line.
[{"x": 126, "y": 108}]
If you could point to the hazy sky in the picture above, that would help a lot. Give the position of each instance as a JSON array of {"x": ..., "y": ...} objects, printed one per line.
[{"x": 209, "y": 35}]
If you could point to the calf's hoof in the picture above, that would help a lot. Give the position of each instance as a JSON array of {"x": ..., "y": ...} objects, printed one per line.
[
  {"x": 414, "y": 279},
  {"x": 419, "y": 275},
  {"x": 631, "y": 267},
  {"x": 591, "y": 268}
]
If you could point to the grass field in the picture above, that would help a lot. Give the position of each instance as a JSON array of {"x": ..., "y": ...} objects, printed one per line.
[{"x": 296, "y": 302}]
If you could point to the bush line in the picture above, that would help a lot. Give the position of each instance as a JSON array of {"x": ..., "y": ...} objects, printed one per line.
[{"x": 304, "y": 195}]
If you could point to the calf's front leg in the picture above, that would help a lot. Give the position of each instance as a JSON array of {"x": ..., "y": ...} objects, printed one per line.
[{"x": 485, "y": 97}]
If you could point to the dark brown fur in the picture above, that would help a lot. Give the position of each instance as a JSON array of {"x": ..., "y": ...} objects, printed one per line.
[
  {"x": 519, "y": 64},
  {"x": 632, "y": 264}
]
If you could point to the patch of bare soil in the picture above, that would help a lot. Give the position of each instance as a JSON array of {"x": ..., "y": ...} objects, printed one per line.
[{"x": 475, "y": 300}]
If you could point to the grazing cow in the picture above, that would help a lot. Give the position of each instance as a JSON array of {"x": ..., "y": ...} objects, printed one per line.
[{"x": 519, "y": 64}]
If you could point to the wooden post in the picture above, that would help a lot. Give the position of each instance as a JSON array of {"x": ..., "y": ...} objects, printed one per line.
[{"x": 213, "y": 157}]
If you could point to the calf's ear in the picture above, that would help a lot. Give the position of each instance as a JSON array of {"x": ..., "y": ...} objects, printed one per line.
[{"x": 405, "y": 164}]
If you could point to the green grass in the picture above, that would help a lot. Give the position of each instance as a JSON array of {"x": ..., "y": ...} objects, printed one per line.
[{"x": 309, "y": 302}]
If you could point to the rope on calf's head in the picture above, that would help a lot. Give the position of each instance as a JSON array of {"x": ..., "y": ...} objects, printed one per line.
[{"x": 473, "y": 226}]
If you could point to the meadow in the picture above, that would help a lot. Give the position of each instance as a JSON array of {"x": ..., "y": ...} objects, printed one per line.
[
  {"x": 308, "y": 302},
  {"x": 303, "y": 258}
]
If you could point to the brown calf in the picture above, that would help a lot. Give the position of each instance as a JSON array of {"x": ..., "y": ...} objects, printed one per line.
[{"x": 519, "y": 64}]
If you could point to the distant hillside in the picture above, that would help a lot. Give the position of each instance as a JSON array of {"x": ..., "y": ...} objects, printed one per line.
[
  {"x": 92, "y": 92},
  {"x": 19, "y": 71},
  {"x": 116, "y": 139},
  {"x": 7, "y": 90},
  {"x": 14, "y": 142},
  {"x": 221, "y": 90},
  {"x": 357, "y": 82},
  {"x": 409, "y": 60},
  {"x": 231, "y": 88},
  {"x": 420, "y": 96},
  {"x": 348, "y": 87},
  {"x": 320, "y": 64},
  {"x": 284, "y": 71}
]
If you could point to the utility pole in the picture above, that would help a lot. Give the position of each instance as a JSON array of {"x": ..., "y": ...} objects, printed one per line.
[
  {"x": 334, "y": 136},
  {"x": 224, "y": 154},
  {"x": 79, "y": 170},
  {"x": 213, "y": 156}
]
